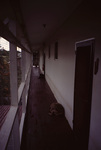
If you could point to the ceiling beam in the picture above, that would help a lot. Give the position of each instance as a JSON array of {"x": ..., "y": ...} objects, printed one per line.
[
  {"x": 8, "y": 35},
  {"x": 19, "y": 17}
]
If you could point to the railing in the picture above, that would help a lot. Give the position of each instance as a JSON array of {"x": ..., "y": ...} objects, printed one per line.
[{"x": 3, "y": 114}]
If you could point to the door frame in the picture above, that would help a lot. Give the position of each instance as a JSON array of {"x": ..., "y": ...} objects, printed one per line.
[{"x": 87, "y": 42}]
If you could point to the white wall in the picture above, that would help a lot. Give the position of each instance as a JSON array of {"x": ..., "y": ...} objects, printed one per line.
[
  {"x": 41, "y": 62},
  {"x": 83, "y": 24},
  {"x": 60, "y": 76}
]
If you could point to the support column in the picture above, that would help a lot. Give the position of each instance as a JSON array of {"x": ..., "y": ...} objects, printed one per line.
[
  {"x": 15, "y": 136},
  {"x": 23, "y": 65},
  {"x": 13, "y": 68}
]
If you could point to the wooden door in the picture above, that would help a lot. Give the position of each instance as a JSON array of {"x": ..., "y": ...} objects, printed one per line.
[{"x": 83, "y": 94}]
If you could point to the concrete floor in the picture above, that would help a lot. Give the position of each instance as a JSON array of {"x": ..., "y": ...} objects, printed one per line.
[{"x": 41, "y": 131}]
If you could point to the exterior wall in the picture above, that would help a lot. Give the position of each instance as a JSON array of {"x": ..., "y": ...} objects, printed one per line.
[{"x": 83, "y": 24}]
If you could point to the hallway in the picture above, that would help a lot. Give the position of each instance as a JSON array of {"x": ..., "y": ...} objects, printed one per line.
[{"x": 41, "y": 131}]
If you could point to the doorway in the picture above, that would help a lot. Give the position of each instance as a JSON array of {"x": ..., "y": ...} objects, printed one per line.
[
  {"x": 44, "y": 57},
  {"x": 83, "y": 92}
]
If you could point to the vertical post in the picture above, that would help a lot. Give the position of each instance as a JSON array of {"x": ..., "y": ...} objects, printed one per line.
[
  {"x": 13, "y": 68},
  {"x": 24, "y": 100},
  {"x": 14, "y": 88},
  {"x": 23, "y": 65}
]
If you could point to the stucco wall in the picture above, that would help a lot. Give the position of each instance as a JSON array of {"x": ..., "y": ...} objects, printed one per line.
[
  {"x": 83, "y": 24},
  {"x": 41, "y": 62}
]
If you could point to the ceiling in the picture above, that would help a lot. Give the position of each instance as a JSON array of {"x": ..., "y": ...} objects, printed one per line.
[{"x": 36, "y": 20}]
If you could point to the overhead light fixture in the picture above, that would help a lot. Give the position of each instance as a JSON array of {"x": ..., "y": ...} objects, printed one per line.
[{"x": 44, "y": 25}]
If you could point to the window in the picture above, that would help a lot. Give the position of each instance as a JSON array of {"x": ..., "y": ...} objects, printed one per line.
[{"x": 56, "y": 51}]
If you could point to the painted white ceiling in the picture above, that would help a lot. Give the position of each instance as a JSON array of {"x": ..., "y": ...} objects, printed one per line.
[{"x": 41, "y": 18}]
